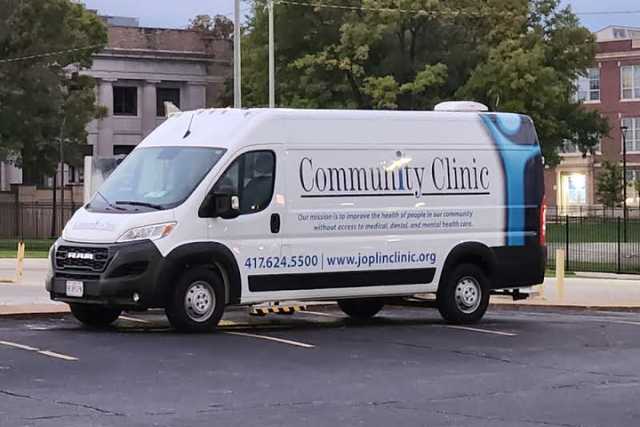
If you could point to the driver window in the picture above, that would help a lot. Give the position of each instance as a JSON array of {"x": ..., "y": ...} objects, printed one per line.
[{"x": 251, "y": 177}]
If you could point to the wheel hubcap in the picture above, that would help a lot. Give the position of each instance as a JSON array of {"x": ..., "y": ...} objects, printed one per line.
[
  {"x": 199, "y": 301},
  {"x": 468, "y": 294}
]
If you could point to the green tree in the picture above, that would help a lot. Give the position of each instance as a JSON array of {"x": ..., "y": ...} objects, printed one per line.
[
  {"x": 516, "y": 56},
  {"x": 219, "y": 26},
  {"x": 46, "y": 97},
  {"x": 610, "y": 184}
]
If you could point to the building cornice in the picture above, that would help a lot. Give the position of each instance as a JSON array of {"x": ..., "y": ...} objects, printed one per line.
[
  {"x": 630, "y": 54},
  {"x": 172, "y": 55}
]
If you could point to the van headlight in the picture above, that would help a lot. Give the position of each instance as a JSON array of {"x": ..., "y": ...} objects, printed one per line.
[{"x": 148, "y": 232}]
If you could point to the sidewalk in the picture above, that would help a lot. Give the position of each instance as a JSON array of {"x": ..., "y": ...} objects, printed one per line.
[
  {"x": 584, "y": 292},
  {"x": 29, "y": 296}
]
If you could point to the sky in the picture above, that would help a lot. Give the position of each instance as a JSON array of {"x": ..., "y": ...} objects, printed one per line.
[{"x": 176, "y": 13}]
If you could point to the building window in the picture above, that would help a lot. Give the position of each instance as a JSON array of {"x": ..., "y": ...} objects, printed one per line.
[
  {"x": 632, "y": 133},
  {"x": 630, "y": 76},
  {"x": 633, "y": 183},
  {"x": 573, "y": 189},
  {"x": 589, "y": 86},
  {"x": 76, "y": 175},
  {"x": 125, "y": 101},
  {"x": 166, "y": 94},
  {"x": 570, "y": 147}
]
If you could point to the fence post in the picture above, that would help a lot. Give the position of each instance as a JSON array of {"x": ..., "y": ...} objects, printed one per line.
[
  {"x": 619, "y": 258},
  {"x": 566, "y": 242}
]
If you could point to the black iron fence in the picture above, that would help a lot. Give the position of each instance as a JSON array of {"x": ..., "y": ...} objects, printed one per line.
[
  {"x": 33, "y": 220},
  {"x": 600, "y": 240}
]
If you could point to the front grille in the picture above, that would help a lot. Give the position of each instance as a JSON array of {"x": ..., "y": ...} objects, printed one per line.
[
  {"x": 77, "y": 276},
  {"x": 82, "y": 258}
]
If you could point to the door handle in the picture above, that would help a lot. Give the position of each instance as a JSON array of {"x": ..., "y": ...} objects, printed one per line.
[{"x": 275, "y": 223}]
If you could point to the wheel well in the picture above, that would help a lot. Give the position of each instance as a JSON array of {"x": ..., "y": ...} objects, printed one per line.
[
  {"x": 213, "y": 256},
  {"x": 183, "y": 265},
  {"x": 470, "y": 253}
]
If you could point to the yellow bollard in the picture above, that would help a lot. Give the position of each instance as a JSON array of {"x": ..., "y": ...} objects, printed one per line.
[
  {"x": 560, "y": 257},
  {"x": 20, "y": 266}
]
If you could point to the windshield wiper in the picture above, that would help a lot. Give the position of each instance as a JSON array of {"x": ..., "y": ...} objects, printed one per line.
[
  {"x": 134, "y": 203},
  {"x": 111, "y": 205}
]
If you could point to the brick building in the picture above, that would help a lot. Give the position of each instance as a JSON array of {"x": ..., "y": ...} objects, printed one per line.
[
  {"x": 139, "y": 70},
  {"x": 612, "y": 87}
]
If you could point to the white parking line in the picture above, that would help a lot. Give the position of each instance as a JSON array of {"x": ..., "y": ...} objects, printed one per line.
[
  {"x": 20, "y": 346},
  {"x": 58, "y": 355},
  {"x": 134, "y": 319},
  {"x": 624, "y": 322},
  {"x": 265, "y": 337},
  {"x": 37, "y": 350},
  {"x": 317, "y": 313},
  {"x": 484, "y": 331}
]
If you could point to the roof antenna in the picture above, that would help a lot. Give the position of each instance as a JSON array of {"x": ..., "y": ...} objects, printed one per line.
[{"x": 188, "y": 132}]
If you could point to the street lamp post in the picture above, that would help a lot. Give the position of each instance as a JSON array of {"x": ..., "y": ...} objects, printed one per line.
[
  {"x": 237, "y": 73},
  {"x": 272, "y": 73},
  {"x": 624, "y": 178}
]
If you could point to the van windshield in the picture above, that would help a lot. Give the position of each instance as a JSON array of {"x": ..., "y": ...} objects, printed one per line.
[{"x": 155, "y": 178}]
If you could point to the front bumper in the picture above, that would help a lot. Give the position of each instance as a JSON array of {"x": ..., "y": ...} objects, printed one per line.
[{"x": 129, "y": 268}]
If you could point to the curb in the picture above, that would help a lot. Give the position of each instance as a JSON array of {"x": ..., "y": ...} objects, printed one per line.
[
  {"x": 552, "y": 307},
  {"x": 17, "y": 312},
  {"x": 14, "y": 311},
  {"x": 609, "y": 276}
]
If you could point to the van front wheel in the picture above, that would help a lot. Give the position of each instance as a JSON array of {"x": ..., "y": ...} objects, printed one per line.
[
  {"x": 198, "y": 301},
  {"x": 361, "y": 309},
  {"x": 463, "y": 295}
]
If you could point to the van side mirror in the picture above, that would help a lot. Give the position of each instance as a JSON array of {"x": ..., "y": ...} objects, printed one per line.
[{"x": 225, "y": 206}]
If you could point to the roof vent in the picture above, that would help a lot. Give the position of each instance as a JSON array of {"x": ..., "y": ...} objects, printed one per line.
[{"x": 461, "y": 106}]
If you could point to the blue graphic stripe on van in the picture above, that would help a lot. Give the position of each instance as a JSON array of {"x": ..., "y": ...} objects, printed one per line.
[{"x": 514, "y": 155}]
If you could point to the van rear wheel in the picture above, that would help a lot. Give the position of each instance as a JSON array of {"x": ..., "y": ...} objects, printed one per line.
[
  {"x": 361, "y": 309},
  {"x": 197, "y": 302},
  {"x": 463, "y": 295},
  {"x": 95, "y": 316}
]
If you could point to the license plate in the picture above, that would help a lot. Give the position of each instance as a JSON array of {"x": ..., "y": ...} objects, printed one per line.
[{"x": 75, "y": 289}]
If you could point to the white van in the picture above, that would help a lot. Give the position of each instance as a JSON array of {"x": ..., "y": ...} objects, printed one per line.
[{"x": 238, "y": 207}]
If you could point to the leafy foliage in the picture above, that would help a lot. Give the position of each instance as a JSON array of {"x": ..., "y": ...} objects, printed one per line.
[
  {"x": 219, "y": 26},
  {"x": 46, "y": 97},
  {"x": 610, "y": 184},
  {"x": 514, "y": 55}
]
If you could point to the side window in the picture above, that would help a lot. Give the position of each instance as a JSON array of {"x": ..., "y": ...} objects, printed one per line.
[{"x": 251, "y": 177}]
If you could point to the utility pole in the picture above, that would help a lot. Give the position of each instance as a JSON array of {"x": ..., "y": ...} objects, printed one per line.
[
  {"x": 624, "y": 178},
  {"x": 237, "y": 57},
  {"x": 272, "y": 69},
  {"x": 61, "y": 150}
]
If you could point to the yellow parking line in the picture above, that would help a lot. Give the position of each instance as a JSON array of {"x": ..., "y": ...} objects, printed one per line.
[
  {"x": 265, "y": 337},
  {"x": 484, "y": 331}
]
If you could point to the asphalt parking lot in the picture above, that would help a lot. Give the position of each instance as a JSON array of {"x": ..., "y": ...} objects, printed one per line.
[{"x": 406, "y": 368}]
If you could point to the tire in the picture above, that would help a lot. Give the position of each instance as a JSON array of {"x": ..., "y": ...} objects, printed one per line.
[
  {"x": 463, "y": 295},
  {"x": 197, "y": 302},
  {"x": 95, "y": 316},
  {"x": 361, "y": 309}
]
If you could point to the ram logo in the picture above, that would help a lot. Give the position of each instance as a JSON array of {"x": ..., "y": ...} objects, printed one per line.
[{"x": 78, "y": 255}]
